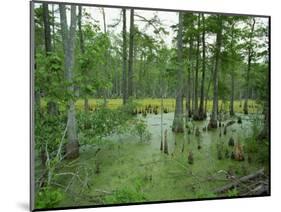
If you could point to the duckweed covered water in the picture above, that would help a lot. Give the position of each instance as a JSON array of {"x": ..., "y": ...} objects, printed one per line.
[{"x": 121, "y": 169}]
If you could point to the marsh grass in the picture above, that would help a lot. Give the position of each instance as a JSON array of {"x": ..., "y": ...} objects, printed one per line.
[{"x": 168, "y": 104}]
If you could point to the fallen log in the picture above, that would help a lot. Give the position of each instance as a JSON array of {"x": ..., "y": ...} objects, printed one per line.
[
  {"x": 103, "y": 192},
  {"x": 230, "y": 123},
  {"x": 259, "y": 190},
  {"x": 240, "y": 180}
]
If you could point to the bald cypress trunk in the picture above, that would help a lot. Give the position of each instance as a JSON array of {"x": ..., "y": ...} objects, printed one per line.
[
  {"x": 124, "y": 72},
  {"x": 178, "y": 118},
  {"x": 189, "y": 87},
  {"x": 231, "y": 111},
  {"x": 68, "y": 38},
  {"x": 51, "y": 105},
  {"x": 196, "y": 112},
  {"x": 250, "y": 55},
  {"x": 82, "y": 49},
  {"x": 106, "y": 62},
  {"x": 131, "y": 55},
  {"x": 47, "y": 29},
  {"x": 201, "y": 106},
  {"x": 214, "y": 117},
  {"x": 53, "y": 26},
  {"x": 264, "y": 134},
  {"x": 232, "y": 74}
]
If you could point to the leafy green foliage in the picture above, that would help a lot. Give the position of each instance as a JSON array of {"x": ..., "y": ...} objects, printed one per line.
[
  {"x": 202, "y": 193},
  {"x": 97, "y": 74},
  {"x": 140, "y": 129},
  {"x": 48, "y": 131},
  {"x": 232, "y": 192},
  {"x": 48, "y": 197},
  {"x": 102, "y": 122},
  {"x": 254, "y": 147},
  {"x": 128, "y": 194},
  {"x": 256, "y": 150}
]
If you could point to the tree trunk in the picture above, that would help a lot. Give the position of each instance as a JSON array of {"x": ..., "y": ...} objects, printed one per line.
[
  {"x": 115, "y": 79},
  {"x": 209, "y": 86},
  {"x": 162, "y": 106},
  {"x": 201, "y": 106},
  {"x": 245, "y": 107},
  {"x": 214, "y": 117},
  {"x": 53, "y": 26},
  {"x": 250, "y": 55},
  {"x": 131, "y": 55},
  {"x": 47, "y": 29},
  {"x": 124, "y": 74},
  {"x": 239, "y": 181},
  {"x": 178, "y": 118},
  {"x": 107, "y": 58},
  {"x": 264, "y": 134},
  {"x": 196, "y": 115},
  {"x": 231, "y": 111},
  {"x": 68, "y": 37},
  {"x": 207, "y": 94},
  {"x": 189, "y": 87},
  {"x": 51, "y": 105},
  {"x": 82, "y": 49}
]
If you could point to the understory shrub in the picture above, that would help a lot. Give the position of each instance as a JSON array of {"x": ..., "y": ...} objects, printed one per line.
[
  {"x": 48, "y": 197},
  {"x": 140, "y": 129}
]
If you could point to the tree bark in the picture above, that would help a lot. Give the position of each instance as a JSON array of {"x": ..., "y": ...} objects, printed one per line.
[
  {"x": 189, "y": 87},
  {"x": 193, "y": 85},
  {"x": 250, "y": 55},
  {"x": 82, "y": 49},
  {"x": 231, "y": 109},
  {"x": 107, "y": 58},
  {"x": 264, "y": 134},
  {"x": 207, "y": 94},
  {"x": 196, "y": 112},
  {"x": 47, "y": 29},
  {"x": 53, "y": 26},
  {"x": 68, "y": 37},
  {"x": 214, "y": 117},
  {"x": 178, "y": 118},
  {"x": 131, "y": 55},
  {"x": 240, "y": 181},
  {"x": 201, "y": 106},
  {"x": 51, "y": 105},
  {"x": 124, "y": 74}
]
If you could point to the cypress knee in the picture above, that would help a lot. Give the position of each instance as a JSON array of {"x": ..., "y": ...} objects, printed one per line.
[{"x": 166, "y": 151}]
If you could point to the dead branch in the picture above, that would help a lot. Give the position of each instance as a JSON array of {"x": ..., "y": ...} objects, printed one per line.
[
  {"x": 259, "y": 190},
  {"x": 61, "y": 142},
  {"x": 240, "y": 181}
]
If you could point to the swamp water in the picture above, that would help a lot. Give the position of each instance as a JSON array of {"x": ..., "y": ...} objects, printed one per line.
[{"x": 123, "y": 170}]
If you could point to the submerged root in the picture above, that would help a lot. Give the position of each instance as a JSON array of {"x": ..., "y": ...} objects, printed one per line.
[
  {"x": 231, "y": 142},
  {"x": 166, "y": 151},
  {"x": 238, "y": 152},
  {"x": 161, "y": 146},
  {"x": 197, "y": 131},
  {"x": 212, "y": 124},
  {"x": 190, "y": 158}
]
